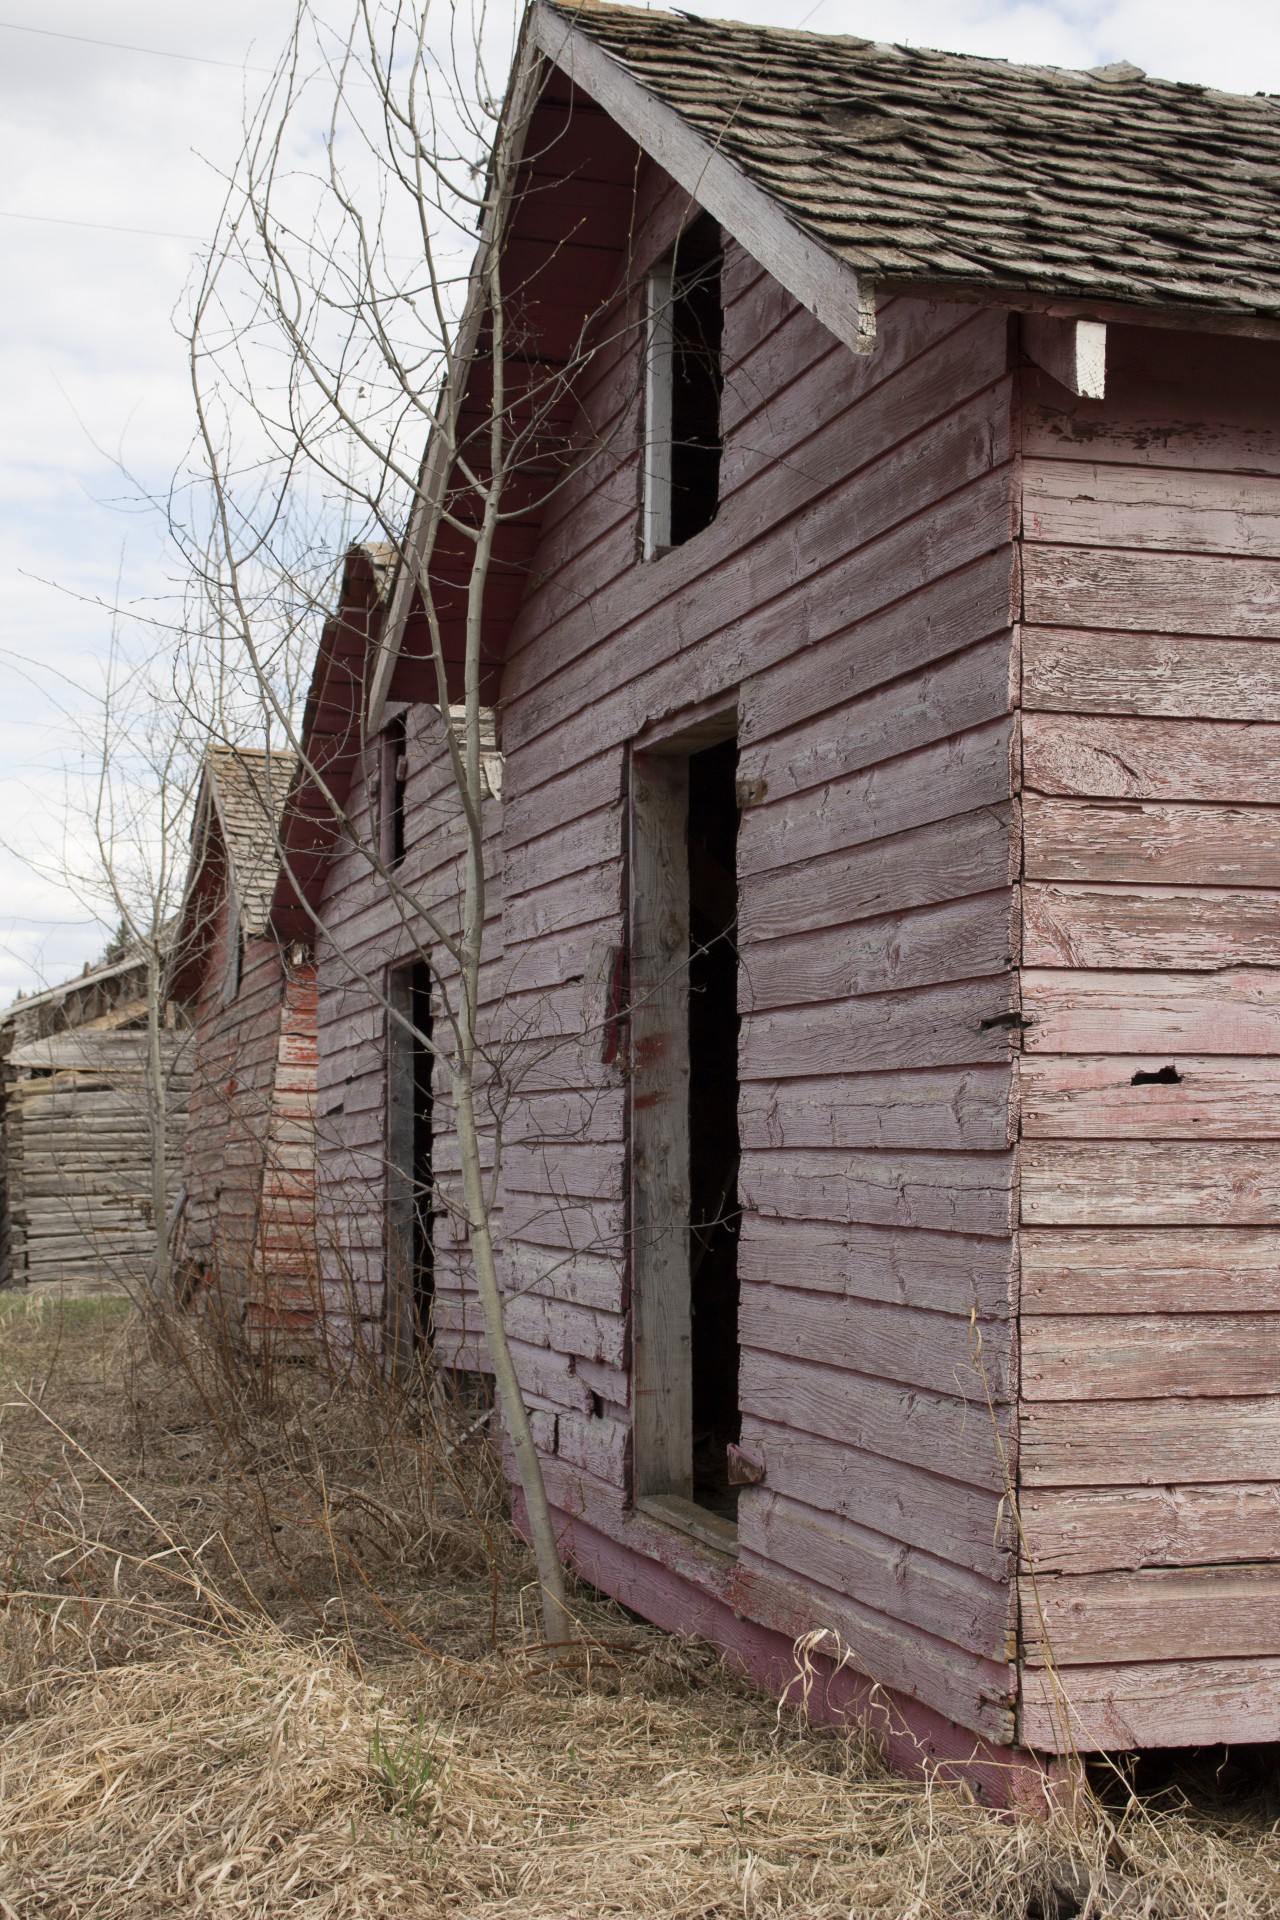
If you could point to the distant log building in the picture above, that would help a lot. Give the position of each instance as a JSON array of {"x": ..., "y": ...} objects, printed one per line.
[{"x": 76, "y": 1207}]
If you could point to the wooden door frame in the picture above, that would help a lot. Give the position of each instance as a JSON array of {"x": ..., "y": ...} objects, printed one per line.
[{"x": 658, "y": 922}]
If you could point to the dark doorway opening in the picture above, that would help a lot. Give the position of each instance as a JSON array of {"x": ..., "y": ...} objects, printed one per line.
[
  {"x": 411, "y": 1187},
  {"x": 714, "y": 1213}
]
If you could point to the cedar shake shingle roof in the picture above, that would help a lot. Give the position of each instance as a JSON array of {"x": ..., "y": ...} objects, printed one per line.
[
  {"x": 941, "y": 169},
  {"x": 249, "y": 788}
]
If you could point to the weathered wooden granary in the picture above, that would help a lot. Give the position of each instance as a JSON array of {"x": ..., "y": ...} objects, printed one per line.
[
  {"x": 246, "y": 1235},
  {"x": 371, "y": 838},
  {"x": 77, "y": 1127},
  {"x": 888, "y": 695}
]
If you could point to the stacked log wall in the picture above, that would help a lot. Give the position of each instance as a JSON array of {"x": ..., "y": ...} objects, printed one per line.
[
  {"x": 1150, "y": 1453},
  {"x": 367, "y": 929},
  {"x": 78, "y": 1150},
  {"x": 855, "y": 599}
]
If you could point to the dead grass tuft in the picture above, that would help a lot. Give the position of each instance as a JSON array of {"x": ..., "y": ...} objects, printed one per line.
[{"x": 343, "y": 1719}]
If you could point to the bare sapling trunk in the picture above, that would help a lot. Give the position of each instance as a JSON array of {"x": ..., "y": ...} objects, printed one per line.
[
  {"x": 158, "y": 1119},
  {"x": 558, "y": 1627},
  {"x": 433, "y": 128}
]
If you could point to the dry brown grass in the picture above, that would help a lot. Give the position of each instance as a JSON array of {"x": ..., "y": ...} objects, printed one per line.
[{"x": 267, "y": 1659}]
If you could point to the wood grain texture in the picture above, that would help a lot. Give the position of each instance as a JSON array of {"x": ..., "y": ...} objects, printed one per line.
[
  {"x": 960, "y": 1107},
  {"x": 1127, "y": 842},
  {"x": 1123, "y": 1443},
  {"x": 1131, "y": 1356},
  {"x": 1122, "y": 1708},
  {"x": 1139, "y": 591},
  {"x": 1092, "y": 1097},
  {"x": 1093, "y": 1270},
  {"x": 1159, "y": 1613},
  {"x": 1097, "y": 1529},
  {"x": 958, "y": 940},
  {"x": 965, "y": 854},
  {"x": 961, "y": 678},
  {"x": 955, "y": 776},
  {"x": 1161, "y": 928},
  {"x": 968, "y": 1022},
  {"x": 943, "y": 1434},
  {"x": 1151, "y": 1183},
  {"x": 967, "y": 1526},
  {"x": 944, "y": 1352},
  {"x": 1228, "y": 1010},
  {"x": 955, "y": 1604},
  {"x": 960, "y": 1192},
  {"x": 1108, "y": 504},
  {"x": 1065, "y": 669},
  {"x": 1231, "y": 762},
  {"x": 955, "y": 1273},
  {"x": 660, "y": 1126}
]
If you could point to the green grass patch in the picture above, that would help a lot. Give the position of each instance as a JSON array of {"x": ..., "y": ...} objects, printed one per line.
[{"x": 79, "y": 1310}]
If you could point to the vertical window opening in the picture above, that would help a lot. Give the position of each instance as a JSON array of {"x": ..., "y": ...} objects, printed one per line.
[
  {"x": 682, "y": 390},
  {"x": 393, "y": 775},
  {"x": 411, "y": 1186},
  {"x": 714, "y": 1213}
]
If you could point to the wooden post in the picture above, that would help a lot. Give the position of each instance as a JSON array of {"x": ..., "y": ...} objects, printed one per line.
[{"x": 660, "y": 1126}]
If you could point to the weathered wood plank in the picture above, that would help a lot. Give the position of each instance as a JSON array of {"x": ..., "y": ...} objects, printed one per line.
[
  {"x": 1151, "y": 1183},
  {"x": 1127, "y": 757},
  {"x": 969, "y": 1022},
  {"x": 1120, "y": 1708},
  {"x": 1067, "y": 670},
  {"x": 1130, "y": 1356},
  {"x": 950, "y": 1602},
  {"x": 901, "y": 401},
  {"x": 958, "y": 940},
  {"x": 969, "y": 1526},
  {"x": 949, "y": 1436},
  {"x": 966, "y": 854},
  {"x": 1150, "y": 1270},
  {"x": 957, "y": 676},
  {"x": 956, "y": 1273},
  {"x": 1117, "y": 505},
  {"x": 1151, "y": 592},
  {"x": 1158, "y": 1613},
  {"x": 945, "y": 1353},
  {"x": 1229, "y": 1011},
  {"x": 1096, "y": 1529},
  {"x": 659, "y": 1161},
  {"x": 964, "y": 1192},
  {"x": 586, "y": 787},
  {"x": 1125, "y": 1443},
  {"x": 950, "y": 777},
  {"x": 1092, "y": 1097},
  {"x": 689, "y": 641},
  {"x": 1128, "y": 841},
  {"x": 1159, "y": 927},
  {"x": 959, "y": 1107}
]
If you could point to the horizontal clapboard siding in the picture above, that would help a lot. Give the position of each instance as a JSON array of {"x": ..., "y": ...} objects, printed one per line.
[
  {"x": 365, "y": 930},
  {"x": 1148, "y": 1109},
  {"x": 855, "y": 599}
]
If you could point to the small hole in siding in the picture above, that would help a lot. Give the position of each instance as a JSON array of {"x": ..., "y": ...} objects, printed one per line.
[
  {"x": 597, "y": 1407},
  {"x": 1161, "y": 1077}
]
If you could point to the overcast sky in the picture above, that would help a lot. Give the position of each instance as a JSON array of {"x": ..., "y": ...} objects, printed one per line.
[{"x": 109, "y": 180}]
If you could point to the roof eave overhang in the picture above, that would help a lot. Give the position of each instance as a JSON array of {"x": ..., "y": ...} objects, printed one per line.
[
  {"x": 838, "y": 293},
  {"x": 828, "y": 286}
]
